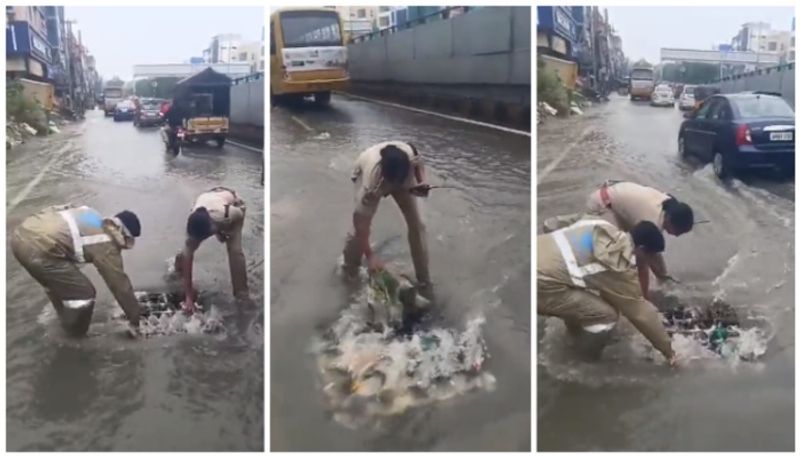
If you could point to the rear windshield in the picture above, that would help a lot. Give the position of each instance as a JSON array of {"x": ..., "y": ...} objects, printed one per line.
[
  {"x": 113, "y": 93},
  {"x": 689, "y": 90},
  {"x": 151, "y": 104},
  {"x": 764, "y": 106},
  {"x": 642, "y": 73}
]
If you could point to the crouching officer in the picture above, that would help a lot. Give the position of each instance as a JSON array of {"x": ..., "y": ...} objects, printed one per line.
[
  {"x": 52, "y": 244},
  {"x": 587, "y": 276},
  {"x": 219, "y": 212}
]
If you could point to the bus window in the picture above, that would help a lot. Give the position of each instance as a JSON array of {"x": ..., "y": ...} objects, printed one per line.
[{"x": 310, "y": 28}]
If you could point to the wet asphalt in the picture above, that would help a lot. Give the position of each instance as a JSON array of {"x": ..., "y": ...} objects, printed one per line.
[
  {"x": 106, "y": 392},
  {"x": 479, "y": 240},
  {"x": 745, "y": 255}
]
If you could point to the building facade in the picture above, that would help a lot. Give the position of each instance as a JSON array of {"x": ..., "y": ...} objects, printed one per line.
[
  {"x": 41, "y": 46},
  {"x": 28, "y": 50}
]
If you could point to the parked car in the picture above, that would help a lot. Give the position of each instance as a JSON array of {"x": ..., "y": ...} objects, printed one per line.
[
  {"x": 124, "y": 111},
  {"x": 740, "y": 131},
  {"x": 662, "y": 96},
  {"x": 148, "y": 112},
  {"x": 686, "y": 99}
]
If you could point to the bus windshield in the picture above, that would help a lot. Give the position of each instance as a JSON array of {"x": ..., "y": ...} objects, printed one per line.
[
  {"x": 310, "y": 28},
  {"x": 642, "y": 73}
]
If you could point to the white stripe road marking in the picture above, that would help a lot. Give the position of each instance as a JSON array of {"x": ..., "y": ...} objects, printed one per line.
[
  {"x": 302, "y": 124},
  {"x": 552, "y": 166},
  {"x": 445, "y": 116},
  {"x": 245, "y": 146},
  {"x": 27, "y": 190}
]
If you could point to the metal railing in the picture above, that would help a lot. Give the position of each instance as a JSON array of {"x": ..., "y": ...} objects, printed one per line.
[
  {"x": 756, "y": 72},
  {"x": 246, "y": 79},
  {"x": 441, "y": 14}
]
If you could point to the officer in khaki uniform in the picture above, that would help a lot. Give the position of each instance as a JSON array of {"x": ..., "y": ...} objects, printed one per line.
[
  {"x": 625, "y": 204},
  {"x": 218, "y": 212},
  {"x": 51, "y": 245},
  {"x": 391, "y": 168},
  {"x": 587, "y": 276}
]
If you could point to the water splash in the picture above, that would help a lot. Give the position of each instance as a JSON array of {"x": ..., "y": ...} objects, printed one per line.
[
  {"x": 176, "y": 322},
  {"x": 368, "y": 375}
]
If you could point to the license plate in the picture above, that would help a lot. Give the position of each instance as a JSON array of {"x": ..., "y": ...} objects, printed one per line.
[{"x": 780, "y": 136}]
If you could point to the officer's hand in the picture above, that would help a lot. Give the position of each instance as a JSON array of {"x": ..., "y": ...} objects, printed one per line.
[
  {"x": 133, "y": 331},
  {"x": 375, "y": 264},
  {"x": 673, "y": 360},
  {"x": 420, "y": 190},
  {"x": 188, "y": 306}
]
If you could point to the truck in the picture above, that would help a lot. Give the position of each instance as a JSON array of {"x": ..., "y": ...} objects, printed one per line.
[
  {"x": 642, "y": 83},
  {"x": 112, "y": 94}
]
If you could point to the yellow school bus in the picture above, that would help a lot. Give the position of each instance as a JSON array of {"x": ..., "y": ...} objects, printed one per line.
[{"x": 308, "y": 54}]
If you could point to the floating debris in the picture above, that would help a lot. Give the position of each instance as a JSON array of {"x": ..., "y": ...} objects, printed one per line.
[{"x": 375, "y": 361}]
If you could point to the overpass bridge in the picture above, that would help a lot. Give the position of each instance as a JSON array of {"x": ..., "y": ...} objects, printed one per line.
[
  {"x": 719, "y": 57},
  {"x": 182, "y": 70}
]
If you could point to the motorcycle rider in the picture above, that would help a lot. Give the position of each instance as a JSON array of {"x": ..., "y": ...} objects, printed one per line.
[{"x": 174, "y": 117}]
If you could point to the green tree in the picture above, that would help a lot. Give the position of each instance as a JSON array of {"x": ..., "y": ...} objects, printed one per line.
[{"x": 643, "y": 63}]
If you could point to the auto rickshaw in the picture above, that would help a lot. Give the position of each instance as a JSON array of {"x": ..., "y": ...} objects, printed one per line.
[{"x": 207, "y": 98}]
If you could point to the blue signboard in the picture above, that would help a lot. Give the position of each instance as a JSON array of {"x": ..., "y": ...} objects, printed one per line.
[
  {"x": 22, "y": 40},
  {"x": 559, "y": 19},
  {"x": 196, "y": 60}
]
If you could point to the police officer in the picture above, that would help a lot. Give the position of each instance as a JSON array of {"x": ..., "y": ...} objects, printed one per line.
[
  {"x": 586, "y": 275},
  {"x": 625, "y": 204},
  {"x": 396, "y": 169},
  {"x": 218, "y": 212},
  {"x": 53, "y": 243}
]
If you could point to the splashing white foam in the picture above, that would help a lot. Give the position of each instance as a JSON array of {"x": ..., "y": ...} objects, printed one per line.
[{"x": 370, "y": 375}]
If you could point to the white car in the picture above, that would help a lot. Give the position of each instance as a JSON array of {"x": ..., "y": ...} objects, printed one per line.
[
  {"x": 662, "y": 96},
  {"x": 686, "y": 100}
]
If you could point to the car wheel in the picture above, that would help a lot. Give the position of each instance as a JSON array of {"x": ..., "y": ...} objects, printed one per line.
[{"x": 720, "y": 165}]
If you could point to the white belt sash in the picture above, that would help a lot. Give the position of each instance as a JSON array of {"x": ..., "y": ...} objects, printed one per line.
[{"x": 78, "y": 241}]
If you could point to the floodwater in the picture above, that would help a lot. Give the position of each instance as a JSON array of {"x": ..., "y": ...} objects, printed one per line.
[
  {"x": 180, "y": 391},
  {"x": 744, "y": 256},
  {"x": 479, "y": 241}
]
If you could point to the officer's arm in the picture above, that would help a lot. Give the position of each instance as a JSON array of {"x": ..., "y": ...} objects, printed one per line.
[
  {"x": 644, "y": 277},
  {"x": 109, "y": 265},
  {"x": 362, "y": 223},
  {"x": 623, "y": 293},
  {"x": 657, "y": 265},
  {"x": 419, "y": 170},
  {"x": 188, "y": 261}
]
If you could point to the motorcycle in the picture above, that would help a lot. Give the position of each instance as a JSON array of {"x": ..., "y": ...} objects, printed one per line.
[{"x": 173, "y": 145}]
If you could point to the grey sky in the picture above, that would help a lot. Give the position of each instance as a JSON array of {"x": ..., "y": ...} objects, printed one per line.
[
  {"x": 645, "y": 30},
  {"x": 121, "y": 37}
]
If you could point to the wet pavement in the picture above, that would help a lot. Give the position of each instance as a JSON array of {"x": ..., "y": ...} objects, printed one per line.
[
  {"x": 479, "y": 241},
  {"x": 177, "y": 392},
  {"x": 745, "y": 256}
]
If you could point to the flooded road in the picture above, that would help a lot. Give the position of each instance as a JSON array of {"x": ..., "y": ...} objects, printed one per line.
[
  {"x": 745, "y": 256},
  {"x": 177, "y": 392},
  {"x": 479, "y": 241}
]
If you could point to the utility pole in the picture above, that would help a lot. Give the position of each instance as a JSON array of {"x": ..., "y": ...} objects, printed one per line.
[{"x": 70, "y": 67}]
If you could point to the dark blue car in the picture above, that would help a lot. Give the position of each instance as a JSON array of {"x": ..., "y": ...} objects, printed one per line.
[
  {"x": 740, "y": 131},
  {"x": 124, "y": 111}
]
